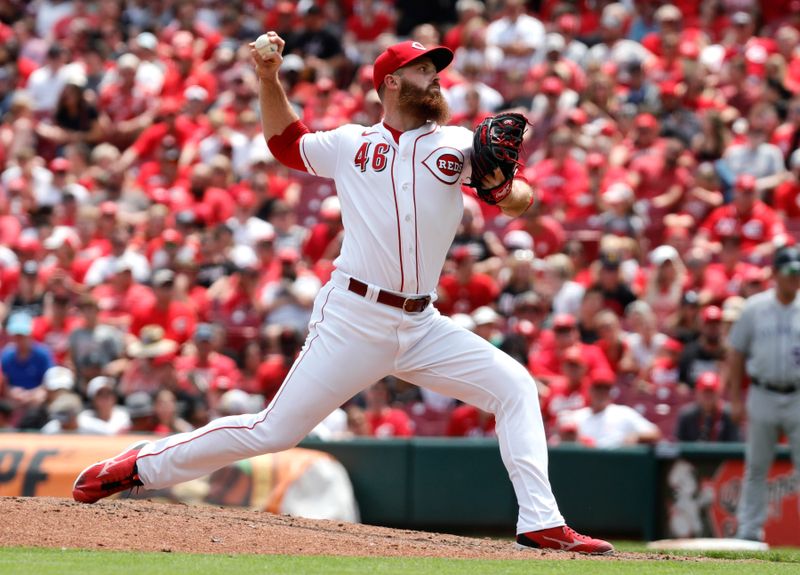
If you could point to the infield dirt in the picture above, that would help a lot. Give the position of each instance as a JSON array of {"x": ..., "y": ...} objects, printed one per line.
[{"x": 139, "y": 525}]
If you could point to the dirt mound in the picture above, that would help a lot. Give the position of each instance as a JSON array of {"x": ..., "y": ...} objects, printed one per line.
[{"x": 136, "y": 525}]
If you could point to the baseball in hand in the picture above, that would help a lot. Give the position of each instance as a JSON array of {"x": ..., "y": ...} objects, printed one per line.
[{"x": 264, "y": 46}]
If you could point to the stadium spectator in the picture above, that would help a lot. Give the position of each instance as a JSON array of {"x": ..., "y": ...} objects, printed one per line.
[
  {"x": 518, "y": 35},
  {"x": 706, "y": 418},
  {"x": 568, "y": 294},
  {"x": 746, "y": 216},
  {"x": 130, "y": 151},
  {"x": 95, "y": 341},
  {"x": 139, "y": 406},
  {"x": 546, "y": 231},
  {"x": 644, "y": 338},
  {"x": 612, "y": 342},
  {"x": 75, "y": 119},
  {"x": 24, "y": 363},
  {"x": 383, "y": 420},
  {"x": 787, "y": 194},
  {"x": 546, "y": 359},
  {"x": 283, "y": 345},
  {"x": 28, "y": 295},
  {"x": 469, "y": 421},
  {"x": 151, "y": 361},
  {"x": 165, "y": 410},
  {"x": 104, "y": 417},
  {"x": 705, "y": 354},
  {"x": 488, "y": 325},
  {"x": 616, "y": 293},
  {"x": 665, "y": 283},
  {"x": 464, "y": 289},
  {"x": 567, "y": 393},
  {"x": 176, "y": 318},
  {"x": 755, "y": 157},
  {"x": 57, "y": 380},
  {"x": 63, "y": 413},
  {"x": 606, "y": 424}
]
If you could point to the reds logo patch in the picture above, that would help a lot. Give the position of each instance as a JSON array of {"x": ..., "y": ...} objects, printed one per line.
[{"x": 446, "y": 164}]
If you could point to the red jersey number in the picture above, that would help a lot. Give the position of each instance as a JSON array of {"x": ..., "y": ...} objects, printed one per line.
[
  {"x": 362, "y": 156},
  {"x": 379, "y": 159}
]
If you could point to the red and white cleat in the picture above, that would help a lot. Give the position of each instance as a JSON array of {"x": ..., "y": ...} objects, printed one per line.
[
  {"x": 564, "y": 539},
  {"x": 109, "y": 476}
]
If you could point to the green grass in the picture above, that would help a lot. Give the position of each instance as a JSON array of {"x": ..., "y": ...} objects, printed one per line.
[
  {"x": 19, "y": 561},
  {"x": 775, "y": 555}
]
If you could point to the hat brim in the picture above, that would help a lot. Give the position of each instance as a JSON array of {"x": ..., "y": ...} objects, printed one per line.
[{"x": 439, "y": 55}]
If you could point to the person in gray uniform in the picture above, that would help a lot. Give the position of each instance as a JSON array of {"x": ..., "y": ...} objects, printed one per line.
[{"x": 765, "y": 343}]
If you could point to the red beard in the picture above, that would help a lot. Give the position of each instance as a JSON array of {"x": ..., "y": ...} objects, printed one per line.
[{"x": 422, "y": 103}]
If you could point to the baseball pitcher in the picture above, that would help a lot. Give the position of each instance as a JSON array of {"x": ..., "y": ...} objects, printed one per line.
[{"x": 399, "y": 184}]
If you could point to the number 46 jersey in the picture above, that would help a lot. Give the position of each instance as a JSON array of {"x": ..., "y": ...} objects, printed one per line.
[{"x": 401, "y": 202}]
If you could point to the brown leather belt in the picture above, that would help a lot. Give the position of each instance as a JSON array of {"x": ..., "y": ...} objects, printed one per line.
[{"x": 408, "y": 304}]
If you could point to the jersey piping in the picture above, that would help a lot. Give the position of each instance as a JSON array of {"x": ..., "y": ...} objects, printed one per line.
[
  {"x": 414, "y": 196},
  {"x": 274, "y": 401}
]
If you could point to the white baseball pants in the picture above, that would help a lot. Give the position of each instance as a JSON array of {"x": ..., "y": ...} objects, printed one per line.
[{"x": 353, "y": 342}]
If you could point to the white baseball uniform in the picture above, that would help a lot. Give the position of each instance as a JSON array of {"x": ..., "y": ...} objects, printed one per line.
[{"x": 401, "y": 206}]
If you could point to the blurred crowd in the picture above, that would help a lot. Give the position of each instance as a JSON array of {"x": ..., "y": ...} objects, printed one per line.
[{"x": 158, "y": 266}]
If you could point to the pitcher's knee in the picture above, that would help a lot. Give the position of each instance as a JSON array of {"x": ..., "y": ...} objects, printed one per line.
[{"x": 518, "y": 387}]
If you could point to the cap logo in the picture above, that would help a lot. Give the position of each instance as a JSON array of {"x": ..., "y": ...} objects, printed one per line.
[{"x": 417, "y": 46}]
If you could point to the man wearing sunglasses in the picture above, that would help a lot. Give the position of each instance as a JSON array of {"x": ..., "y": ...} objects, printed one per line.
[{"x": 765, "y": 344}]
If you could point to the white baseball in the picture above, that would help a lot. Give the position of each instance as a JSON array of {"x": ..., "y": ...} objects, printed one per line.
[{"x": 264, "y": 46}]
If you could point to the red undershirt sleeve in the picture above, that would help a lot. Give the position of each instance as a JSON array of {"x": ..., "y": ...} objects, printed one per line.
[{"x": 286, "y": 146}]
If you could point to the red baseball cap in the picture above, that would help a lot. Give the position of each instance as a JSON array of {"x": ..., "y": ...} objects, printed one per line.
[
  {"x": 365, "y": 73},
  {"x": 746, "y": 182},
  {"x": 246, "y": 198},
  {"x": 574, "y": 354},
  {"x": 402, "y": 54},
  {"x": 60, "y": 165},
  {"x": 289, "y": 255},
  {"x": 711, "y": 313},
  {"x": 27, "y": 244},
  {"x": 577, "y": 116},
  {"x": 595, "y": 159},
  {"x": 689, "y": 49},
  {"x": 461, "y": 253},
  {"x": 552, "y": 85},
  {"x": 563, "y": 320},
  {"x": 568, "y": 22},
  {"x": 222, "y": 383},
  {"x": 325, "y": 85},
  {"x": 670, "y": 88},
  {"x": 753, "y": 274},
  {"x": 603, "y": 376},
  {"x": 285, "y": 8},
  {"x": 708, "y": 380},
  {"x": 170, "y": 106},
  {"x": 672, "y": 345},
  {"x": 170, "y": 236},
  {"x": 646, "y": 121},
  {"x": 108, "y": 208}
]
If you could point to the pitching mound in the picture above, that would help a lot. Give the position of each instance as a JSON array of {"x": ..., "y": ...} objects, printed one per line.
[{"x": 135, "y": 525}]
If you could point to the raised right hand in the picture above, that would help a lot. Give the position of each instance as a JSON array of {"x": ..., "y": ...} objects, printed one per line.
[{"x": 267, "y": 66}]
